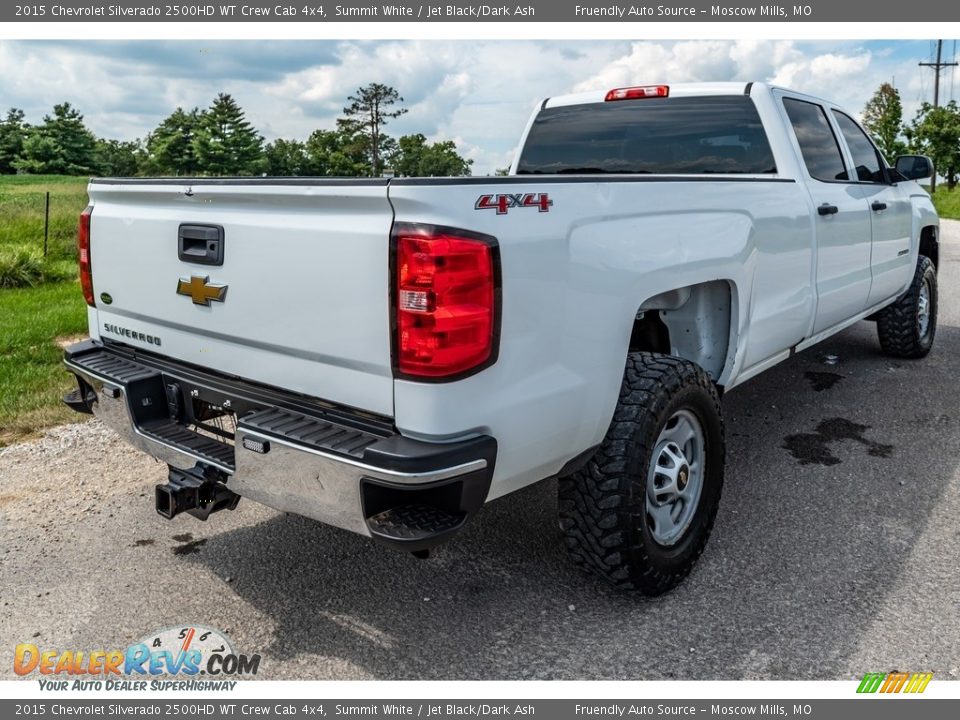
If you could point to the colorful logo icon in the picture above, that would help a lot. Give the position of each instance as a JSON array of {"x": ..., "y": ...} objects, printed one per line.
[{"x": 894, "y": 682}]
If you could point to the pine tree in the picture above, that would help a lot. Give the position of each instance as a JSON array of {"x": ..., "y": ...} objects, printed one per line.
[
  {"x": 369, "y": 111},
  {"x": 169, "y": 148},
  {"x": 13, "y": 132},
  {"x": 883, "y": 117},
  {"x": 62, "y": 145},
  {"x": 225, "y": 142},
  {"x": 40, "y": 155},
  {"x": 118, "y": 158}
]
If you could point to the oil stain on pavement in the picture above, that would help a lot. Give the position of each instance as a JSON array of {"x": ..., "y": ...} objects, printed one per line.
[
  {"x": 814, "y": 448},
  {"x": 820, "y": 381}
]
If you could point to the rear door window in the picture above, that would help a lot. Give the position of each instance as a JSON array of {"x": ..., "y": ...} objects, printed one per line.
[{"x": 818, "y": 145}]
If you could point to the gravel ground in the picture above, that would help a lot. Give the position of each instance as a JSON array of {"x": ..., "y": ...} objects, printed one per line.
[{"x": 835, "y": 552}]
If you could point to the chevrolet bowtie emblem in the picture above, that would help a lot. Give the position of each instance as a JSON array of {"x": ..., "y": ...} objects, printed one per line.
[{"x": 199, "y": 289}]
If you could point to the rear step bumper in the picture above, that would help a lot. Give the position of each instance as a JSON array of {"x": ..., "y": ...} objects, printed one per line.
[{"x": 306, "y": 457}]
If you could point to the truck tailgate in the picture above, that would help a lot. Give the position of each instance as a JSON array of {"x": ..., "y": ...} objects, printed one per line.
[{"x": 305, "y": 269}]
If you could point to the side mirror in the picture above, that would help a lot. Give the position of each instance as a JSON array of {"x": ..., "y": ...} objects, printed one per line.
[{"x": 914, "y": 167}]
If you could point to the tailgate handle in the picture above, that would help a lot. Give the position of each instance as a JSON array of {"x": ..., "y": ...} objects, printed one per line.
[{"x": 201, "y": 244}]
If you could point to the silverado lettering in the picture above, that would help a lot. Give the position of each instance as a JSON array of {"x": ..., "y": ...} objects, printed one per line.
[{"x": 132, "y": 334}]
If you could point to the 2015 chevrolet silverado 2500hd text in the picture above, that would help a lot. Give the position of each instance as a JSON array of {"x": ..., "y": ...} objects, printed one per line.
[{"x": 385, "y": 355}]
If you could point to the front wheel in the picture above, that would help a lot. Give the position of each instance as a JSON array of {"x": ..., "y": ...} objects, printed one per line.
[
  {"x": 906, "y": 328},
  {"x": 640, "y": 512}
]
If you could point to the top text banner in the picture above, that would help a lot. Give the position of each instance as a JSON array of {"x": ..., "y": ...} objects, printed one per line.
[{"x": 317, "y": 11}]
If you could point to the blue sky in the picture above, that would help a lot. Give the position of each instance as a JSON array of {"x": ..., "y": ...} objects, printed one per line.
[{"x": 477, "y": 93}]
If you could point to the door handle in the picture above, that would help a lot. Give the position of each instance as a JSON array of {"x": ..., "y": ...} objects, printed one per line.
[
  {"x": 878, "y": 206},
  {"x": 827, "y": 209}
]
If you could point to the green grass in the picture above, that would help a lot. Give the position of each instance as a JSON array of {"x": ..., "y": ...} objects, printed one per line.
[
  {"x": 947, "y": 202},
  {"x": 32, "y": 319},
  {"x": 21, "y": 213},
  {"x": 32, "y": 378}
]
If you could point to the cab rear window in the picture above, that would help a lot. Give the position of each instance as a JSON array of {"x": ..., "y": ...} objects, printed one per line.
[{"x": 684, "y": 135}]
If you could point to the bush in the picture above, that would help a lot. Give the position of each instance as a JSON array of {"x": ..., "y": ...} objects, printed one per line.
[{"x": 20, "y": 268}]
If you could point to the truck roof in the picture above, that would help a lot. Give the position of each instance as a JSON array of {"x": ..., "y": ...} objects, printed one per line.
[{"x": 676, "y": 90}]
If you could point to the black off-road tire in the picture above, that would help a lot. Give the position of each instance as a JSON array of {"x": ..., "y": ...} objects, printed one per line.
[
  {"x": 602, "y": 507},
  {"x": 898, "y": 326}
]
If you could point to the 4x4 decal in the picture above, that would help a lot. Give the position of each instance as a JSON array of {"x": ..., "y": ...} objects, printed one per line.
[{"x": 503, "y": 203}]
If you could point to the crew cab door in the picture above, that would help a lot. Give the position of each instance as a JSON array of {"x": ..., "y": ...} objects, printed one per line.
[
  {"x": 891, "y": 213},
  {"x": 841, "y": 220}
]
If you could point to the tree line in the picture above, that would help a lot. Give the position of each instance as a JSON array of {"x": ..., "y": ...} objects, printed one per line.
[
  {"x": 221, "y": 141},
  {"x": 934, "y": 131}
]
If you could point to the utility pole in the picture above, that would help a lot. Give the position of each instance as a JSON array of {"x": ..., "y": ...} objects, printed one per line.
[{"x": 937, "y": 67}]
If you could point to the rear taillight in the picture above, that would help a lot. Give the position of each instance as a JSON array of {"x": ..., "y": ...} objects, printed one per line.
[
  {"x": 446, "y": 296},
  {"x": 83, "y": 255}
]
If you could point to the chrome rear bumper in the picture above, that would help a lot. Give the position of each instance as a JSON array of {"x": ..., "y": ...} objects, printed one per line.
[{"x": 291, "y": 454}]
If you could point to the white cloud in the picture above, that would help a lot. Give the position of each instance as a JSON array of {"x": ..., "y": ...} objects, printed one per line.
[
  {"x": 778, "y": 61},
  {"x": 823, "y": 74}
]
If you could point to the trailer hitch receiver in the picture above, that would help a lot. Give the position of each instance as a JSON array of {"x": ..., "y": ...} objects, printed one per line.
[{"x": 199, "y": 491}]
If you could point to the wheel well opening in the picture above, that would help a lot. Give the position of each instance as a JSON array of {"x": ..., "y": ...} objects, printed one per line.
[
  {"x": 692, "y": 322},
  {"x": 649, "y": 333},
  {"x": 929, "y": 246}
]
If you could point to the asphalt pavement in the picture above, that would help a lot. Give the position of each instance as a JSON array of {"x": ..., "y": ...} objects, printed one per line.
[{"x": 836, "y": 552}]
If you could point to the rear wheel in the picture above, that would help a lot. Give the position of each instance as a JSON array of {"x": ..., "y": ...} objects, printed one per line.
[
  {"x": 907, "y": 328},
  {"x": 640, "y": 512}
]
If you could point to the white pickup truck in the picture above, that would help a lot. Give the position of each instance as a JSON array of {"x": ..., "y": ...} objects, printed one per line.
[{"x": 386, "y": 355}]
